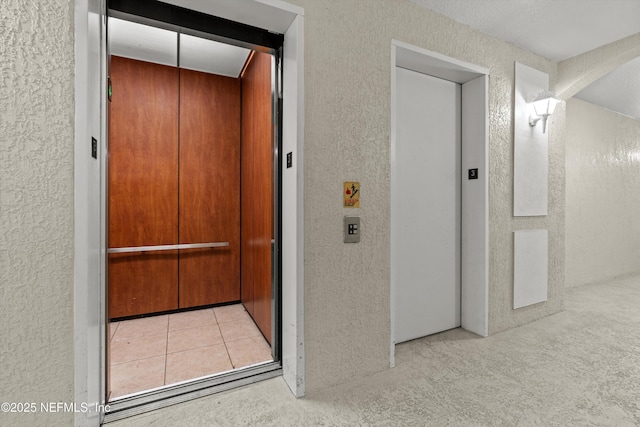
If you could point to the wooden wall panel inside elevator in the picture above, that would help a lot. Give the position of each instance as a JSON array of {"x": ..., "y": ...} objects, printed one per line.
[
  {"x": 143, "y": 191},
  {"x": 191, "y": 161},
  {"x": 247, "y": 193},
  {"x": 174, "y": 177},
  {"x": 257, "y": 190},
  {"x": 209, "y": 187}
]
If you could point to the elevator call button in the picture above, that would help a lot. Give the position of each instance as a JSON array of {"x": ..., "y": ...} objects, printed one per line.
[{"x": 351, "y": 229}]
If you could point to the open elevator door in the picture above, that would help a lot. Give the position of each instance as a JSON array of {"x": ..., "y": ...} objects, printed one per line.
[{"x": 261, "y": 216}]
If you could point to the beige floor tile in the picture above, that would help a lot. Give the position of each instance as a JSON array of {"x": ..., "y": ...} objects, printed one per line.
[
  {"x": 187, "y": 339},
  {"x": 139, "y": 327},
  {"x": 248, "y": 351},
  {"x": 238, "y": 330},
  {"x": 191, "y": 319},
  {"x": 231, "y": 313},
  {"x": 139, "y": 375},
  {"x": 135, "y": 348},
  {"x": 187, "y": 345},
  {"x": 190, "y": 364}
]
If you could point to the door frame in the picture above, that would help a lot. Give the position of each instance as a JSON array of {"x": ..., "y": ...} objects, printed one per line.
[
  {"x": 474, "y": 228},
  {"x": 90, "y": 207}
]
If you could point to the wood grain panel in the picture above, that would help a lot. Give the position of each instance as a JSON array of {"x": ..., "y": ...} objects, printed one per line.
[
  {"x": 142, "y": 283},
  {"x": 257, "y": 197},
  {"x": 246, "y": 217},
  {"x": 209, "y": 187},
  {"x": 143, "y": 185},
  {"x": 263, "y": 200}
]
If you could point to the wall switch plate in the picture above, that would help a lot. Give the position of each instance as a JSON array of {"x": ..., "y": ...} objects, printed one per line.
[{"x": 351, "y": 229}]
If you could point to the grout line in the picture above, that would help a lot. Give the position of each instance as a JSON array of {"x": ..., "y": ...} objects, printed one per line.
[
  {"x": 166, "y": 354},
  {"x": 135, "y": 360},
  {"x": 224, "y": 341}
]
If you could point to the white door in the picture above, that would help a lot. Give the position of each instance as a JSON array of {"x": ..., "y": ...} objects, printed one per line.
[{"x": 425, "y": 212}]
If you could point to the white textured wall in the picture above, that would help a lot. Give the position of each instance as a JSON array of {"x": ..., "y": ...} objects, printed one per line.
[
  {"x": 347, "y": 126},
  {"x": 36, "y": 207},
  {"x": 347, "y": 121},
  {"x": 603, "y": 194}
]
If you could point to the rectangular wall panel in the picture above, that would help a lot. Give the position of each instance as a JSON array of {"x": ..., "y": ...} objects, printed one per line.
[
  {"x": 530, "y": 267},
  {"x": 531, "y": 146},
  {"x": 247, "y": 193},
  {"x": 209, "y": 173},
  {"x": 263, "y": 187},
  {"x": 257, "y": 190},
  {"x": 143, "y": 186}
]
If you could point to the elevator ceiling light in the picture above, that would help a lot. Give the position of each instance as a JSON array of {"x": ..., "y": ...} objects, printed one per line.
[
  {"x": 543, "y": 104},
  {"x": 146, "y": 43}
]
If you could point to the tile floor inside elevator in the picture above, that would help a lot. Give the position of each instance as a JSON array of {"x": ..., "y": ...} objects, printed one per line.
[{"x": 155, "y": 351}]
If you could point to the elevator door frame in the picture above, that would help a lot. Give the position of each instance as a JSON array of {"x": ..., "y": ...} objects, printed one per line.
[
  {"x": 90, "y": 83},
  {"x": 474, "y": 228},
  {"x": 148, "y": 400}
]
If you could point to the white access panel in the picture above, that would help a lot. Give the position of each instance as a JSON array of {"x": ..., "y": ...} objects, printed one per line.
[
  {"x": 530, "y": 267},
  {"x": 426, "y": 212}
]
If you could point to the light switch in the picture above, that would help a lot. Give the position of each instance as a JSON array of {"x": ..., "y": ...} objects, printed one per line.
[{"x": 351, "y": 229}]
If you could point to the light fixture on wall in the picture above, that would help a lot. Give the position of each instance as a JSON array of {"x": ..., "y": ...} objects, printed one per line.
[{"x": 543, "y": 105}]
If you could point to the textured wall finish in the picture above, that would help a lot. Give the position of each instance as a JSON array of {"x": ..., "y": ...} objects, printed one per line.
[
  {"x": 36, "y": 207},
  {"x": 576, "y": 73},
  {"x": 603, "y": 194},
  {"x": 347, "y": 110},
  {"x": 347, "y": 128}
]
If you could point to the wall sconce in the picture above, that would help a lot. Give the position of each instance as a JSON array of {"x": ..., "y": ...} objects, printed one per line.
[{"x": 543, "y": 105}]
